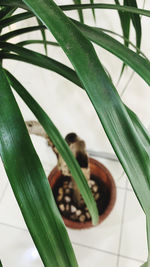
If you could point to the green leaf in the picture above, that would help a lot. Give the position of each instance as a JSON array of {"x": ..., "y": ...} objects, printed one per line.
[
  {"x": 6, "y": 12},
  {"x": 127, "y": 40},
  {"x": 15, "y": 33},
  {"x": 29, "y": 42},
  {"x": 97, "y": 85},
  {"x": 146, "y": 264},
  {"x": 136, "y": 22},
  {"x": 125, "y": 23},
  {"x": 30, "y": 184},
  {"x": 19, "y": 3},
  {"x": 13, "y": 3},
  {"x": 38, "y": 59},
  {"x": 60, "y": 144},
  {"x": 123, "y": 8},
  {"x": 93, "y": 10},
  {"x": 43, "y": 33},
  {"x": 114, "y": 117},
  {"x": 15, "y": 18},
  {"x": 129, "y": 57},
  {"x": 80, "y": 13},
  {"x": 1, "y": 264}
]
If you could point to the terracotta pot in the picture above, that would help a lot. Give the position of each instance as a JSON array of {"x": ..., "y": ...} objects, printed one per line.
[{"x": 102, "y": 173}]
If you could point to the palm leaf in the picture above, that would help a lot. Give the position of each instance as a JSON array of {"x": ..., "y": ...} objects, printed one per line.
[
  {"x": 139, "y": 64},
  {"x": 6, "y": 12},
  {"x": 80, "y": 13},
  {"x": 29, "y": 42},
  {"x": 136, "y": 22},
  {"x": 125, "y": 23},
  {"x": 93, "y": 10},
  {"x": 118, "y": 126},
  {"x": 38, "y": 59},
  {"x": 19, "y": 3},
  {"x": 15, "y": 18},
  {"x": 43, "y": 33},
  {"x": 128, "y": 56},
  {"x": 12, "y": 34},
  {"x": 13, "y": 3},
  {"x": 146, "y": 264},
  {"x": 123, "y": 8},
  {"x": 144, "y": 135},
  {"x": 30, "y": 184},
  {"x": 60, "y": 144},
  {"x": 127, "y": 40}
]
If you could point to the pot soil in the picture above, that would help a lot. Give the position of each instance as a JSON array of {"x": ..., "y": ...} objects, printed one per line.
[{"x": 103, "y": 189}]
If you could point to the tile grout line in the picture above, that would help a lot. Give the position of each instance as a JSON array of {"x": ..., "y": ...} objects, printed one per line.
[
  {"x": 78, "y": 244},
  {"x": 107, "y": 252},
  {"x": 122, "y": 222}
]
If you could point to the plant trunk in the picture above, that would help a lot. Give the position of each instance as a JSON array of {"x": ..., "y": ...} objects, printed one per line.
[{"x": 78, "y": 149}]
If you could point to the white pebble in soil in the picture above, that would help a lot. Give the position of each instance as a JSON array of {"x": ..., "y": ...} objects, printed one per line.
[
  {"x": 60, "y": 190},
  {"x": 73, "y": 209},
  {"x": 82, "y": 218},
  {"x": 95, "y": 188},
  {"x": 88, "y": 215},
  {"x": 97, "y": 195},
  {"x": 59, "y": 198},
  {"x": 62, "y": 207},
  {"x": 78, "y": 212},
  {"x": 67, "y": 199},
  {"x": 91, "y": 183}
]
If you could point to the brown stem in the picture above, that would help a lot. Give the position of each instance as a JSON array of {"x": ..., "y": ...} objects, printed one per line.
[{"x": 78, "y": 149}]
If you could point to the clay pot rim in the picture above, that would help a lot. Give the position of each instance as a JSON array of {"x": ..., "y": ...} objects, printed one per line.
[{"x": 112, "y": 186}]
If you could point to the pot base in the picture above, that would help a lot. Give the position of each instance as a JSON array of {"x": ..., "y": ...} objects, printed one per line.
[{"x": 101, "y": 178}]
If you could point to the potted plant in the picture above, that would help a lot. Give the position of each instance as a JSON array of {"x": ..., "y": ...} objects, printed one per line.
[
  {"x": 126, "y": 133},
  {"x": 66, "y": 193}
]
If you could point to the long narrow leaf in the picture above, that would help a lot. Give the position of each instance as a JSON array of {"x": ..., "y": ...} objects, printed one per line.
[
  {"x": 127, "y": 40},
  {"x": 60, "y": 144},
  {"x": 15, "y": 18},
  {"x": 125, "y": 23},
  {"x": 13, "y": 3},
  {"x": 136, "y": 62},
  {"x": 93, "y": 10},
  {"x": 139, "y": 64},
  {"x": 30, "y": 184},
  {"x": 80, "y": 13},
  {"x": 15, "y": 33},
  {"x": 108, "y": 105},
  {"x": 144, "y": 12},
  {"x": 6, "y": 11},
  {"x": 136, "y": 22},
  {"x": 40, "y": 60},
  {"x": 123, "y": 8},
  {"x": 144, "y": 135},
  {"x": 70, "y": 75},
  {"x": 29, "y": 42},
  {"x": 43, "y": 33}
]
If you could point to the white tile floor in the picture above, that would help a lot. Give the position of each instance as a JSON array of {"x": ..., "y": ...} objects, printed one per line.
[{"x": 120, "y": 241}]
